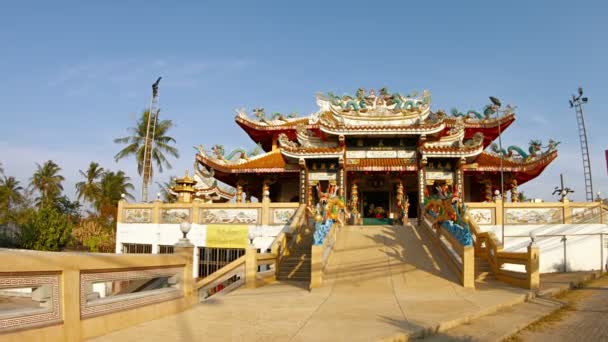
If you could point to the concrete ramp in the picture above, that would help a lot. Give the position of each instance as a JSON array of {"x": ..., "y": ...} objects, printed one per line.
[{"x": 384, "y": 281}]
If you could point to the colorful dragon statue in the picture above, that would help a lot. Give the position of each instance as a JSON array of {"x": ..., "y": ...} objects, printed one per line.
[
  {"x": 533, "y": 149},
  {"x": 326, "y": 212},
  {"x": 450, "y": 213}
]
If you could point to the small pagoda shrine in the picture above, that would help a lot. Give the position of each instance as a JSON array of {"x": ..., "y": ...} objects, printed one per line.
[{"x": 385, "y": 151}]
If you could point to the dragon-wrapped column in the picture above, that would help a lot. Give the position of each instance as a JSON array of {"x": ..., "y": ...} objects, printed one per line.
[{"x": 514, "y": 192}]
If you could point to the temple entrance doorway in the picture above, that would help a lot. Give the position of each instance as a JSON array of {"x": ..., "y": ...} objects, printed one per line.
[
  {"x": 376, "y": 208},
  {"x": 382, "y": 196}
]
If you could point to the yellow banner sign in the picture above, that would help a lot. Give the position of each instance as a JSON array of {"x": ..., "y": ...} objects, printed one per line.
[{"x": 227, "y": 236}]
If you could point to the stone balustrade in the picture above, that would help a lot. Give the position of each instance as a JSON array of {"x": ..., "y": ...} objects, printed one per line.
[
  {"x": 520, "y": 213},
  {"x": 264, "y": 213},
  {"x": 137, "y": 288}
]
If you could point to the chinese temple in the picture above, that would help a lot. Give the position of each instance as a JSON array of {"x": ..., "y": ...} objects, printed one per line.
[{"x": 382, "y": 152}]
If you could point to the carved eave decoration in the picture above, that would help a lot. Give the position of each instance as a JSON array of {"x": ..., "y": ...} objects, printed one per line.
[
  {"x": 378, "y": 127},
  {"x": 209, "y": 187},
  {"x": 295, "y": 150},
  {"x": 271, "y": 162},
  {"x": 381, "y": 164},
  {"x": 450, "y": 148}
]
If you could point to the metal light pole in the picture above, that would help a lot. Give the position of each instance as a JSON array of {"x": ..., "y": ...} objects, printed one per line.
[
  {"x": 576, "y": 103},
  {"x": 496, "y": 103},
  {"x": 148, "y": 143}
]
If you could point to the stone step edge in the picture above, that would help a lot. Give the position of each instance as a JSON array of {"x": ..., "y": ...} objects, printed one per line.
[{"x": 443, "y": 326}]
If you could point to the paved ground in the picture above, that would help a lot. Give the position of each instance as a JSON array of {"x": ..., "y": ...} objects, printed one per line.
[
  {"x": 384, "y": 281},
  {"x": 586, "y": 319},
  {"x": 508, "y": 321}
]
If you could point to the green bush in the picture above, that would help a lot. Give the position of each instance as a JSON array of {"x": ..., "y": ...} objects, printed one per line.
[{"x": 46, "y": 229}]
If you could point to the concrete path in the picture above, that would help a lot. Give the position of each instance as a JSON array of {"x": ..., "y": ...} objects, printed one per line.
[
  {"x": 586, "y": 319},
  {"x": 384, "y": 282}
]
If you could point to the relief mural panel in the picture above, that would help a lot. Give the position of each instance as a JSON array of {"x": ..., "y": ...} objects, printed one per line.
[
  {"x": 229, "y": 216},
  {"x": 138, "y": 215},
  {"x": 481, "y": 216},
  {"x": 282, "y": 216},
  {"x": 175, "y": 215},
  {"x": 533, "y": 216},
  {"x": 586, "y": 215}
]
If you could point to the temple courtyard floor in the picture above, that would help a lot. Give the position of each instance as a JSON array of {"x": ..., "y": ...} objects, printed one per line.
[{"x": 385, "y": 282}]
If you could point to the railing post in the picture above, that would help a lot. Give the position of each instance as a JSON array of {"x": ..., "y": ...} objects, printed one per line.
[
  {"x": 498, "y": 212},
  {"x": 602, "y": 263},
  {"x": 468, "y": 267},
  {"x": 70, "y": 298},
  {"x": 533, "y": 267},
  {"x": 121, "y": 204},
  {"x": 156, "y": 208},
  {"x": 567, "y": 211},
  {"x": 251, "y": 266},
  {"x": 187, "y": 253},
  {"x": 316, "y": 266}
]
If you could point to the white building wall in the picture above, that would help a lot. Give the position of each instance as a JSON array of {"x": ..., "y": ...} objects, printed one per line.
[
  {"x": 169, "y": 234},
  {"x": 583, "y": 252}
]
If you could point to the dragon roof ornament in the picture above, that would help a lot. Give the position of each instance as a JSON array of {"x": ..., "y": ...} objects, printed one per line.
[
  {"x": 382, "y": 109},
  {"x": 276, "y": 119},
  {"x": 515, "y": 153},
  {"x": 236, "y": 156}
]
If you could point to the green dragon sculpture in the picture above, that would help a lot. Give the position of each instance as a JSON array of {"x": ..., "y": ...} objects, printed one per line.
[
  {"x": 534, "y": 148},
  {"x": 487, "y": 112},
  {"x": 220, "y": 153},
  {"x": 261, "y": 115},
  {"x": 400, "y": 102},
  {"x": 348, "y": 102}
]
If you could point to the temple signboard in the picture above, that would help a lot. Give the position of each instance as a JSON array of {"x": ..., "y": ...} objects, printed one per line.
[
  {"x": 320, "y": 176},
  {"x": 227, "y": 236},
  {"x": 407, "y": 154},
  {"x": 432, "y": 176}
]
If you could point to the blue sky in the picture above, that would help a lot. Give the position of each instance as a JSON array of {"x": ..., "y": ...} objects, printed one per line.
[{"x": 74, "y": 74}]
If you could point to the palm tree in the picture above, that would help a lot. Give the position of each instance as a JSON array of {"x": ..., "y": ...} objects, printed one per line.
[
  {"x": 1, "y": 169},
  {"x": 136, "y": 143},
  {"x": 10, "y": 192},
  {"x": 112, "y": 186},
  {"x": 165, "y": 190},
  {"x": 47, "y": 181},
  {"x": 90, "y": 188}
]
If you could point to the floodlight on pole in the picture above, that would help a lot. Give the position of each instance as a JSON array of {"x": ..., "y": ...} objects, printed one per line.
[{"x": 576, "y": 103}]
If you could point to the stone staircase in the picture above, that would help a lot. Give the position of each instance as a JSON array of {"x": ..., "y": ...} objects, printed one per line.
[
  {"x": 483, "y": 272},
  {"x": 296, "y": 266}
]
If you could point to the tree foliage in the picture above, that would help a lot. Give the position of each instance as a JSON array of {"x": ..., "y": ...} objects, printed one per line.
[
  {"x": 47, "y": 181},
  {"x": 93, "y": 235},
  {"x": 46, "y": 229},
  {"x": 89, "y": 189},
  {"x": 162, "y": 143},
  {"x": 165, "y": 190}
]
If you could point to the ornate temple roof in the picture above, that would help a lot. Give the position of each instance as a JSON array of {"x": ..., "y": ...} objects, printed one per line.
[
  {"x": 524, "y": 165},
  {"x": 265, "y": 163},
  {"x": 384, "y": 115},
  {"x": 380, "y": 114}
]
